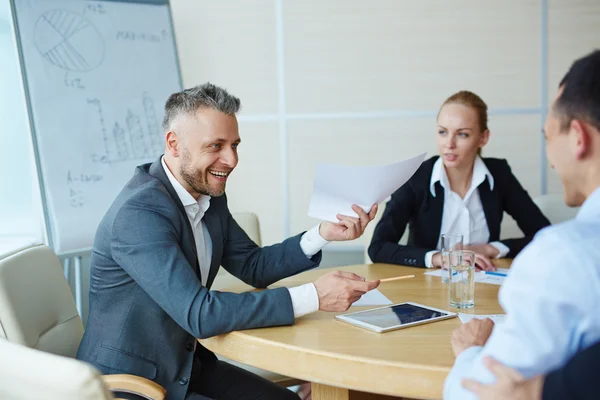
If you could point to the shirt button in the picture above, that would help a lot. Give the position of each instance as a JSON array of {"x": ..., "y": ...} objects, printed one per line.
[
  {"x": 189, "y": 347},
  {"x": 183, "y": 381},
  {"x": 195, "y": 209}
]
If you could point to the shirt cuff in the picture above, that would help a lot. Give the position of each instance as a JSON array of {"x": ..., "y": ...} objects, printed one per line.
[
  {"x": 453, "y": 385},
  {"x": 305, "y": 299},
  {"x": 429, "y": 258},
  {"x": 312, "y": 242},
  {"x": 503, "y": 249}
]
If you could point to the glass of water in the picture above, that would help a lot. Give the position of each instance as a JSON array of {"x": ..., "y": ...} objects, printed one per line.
[
  {"x": 450, "y": 242},
  {"x": 462, "y": 278}
]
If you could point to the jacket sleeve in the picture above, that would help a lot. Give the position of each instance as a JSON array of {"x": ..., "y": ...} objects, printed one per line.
[
  {"x": 525, "y": 212},
  {"x": 259, "y": 267},
  {"x": 144, "y": 242},
  {"x": 384, "y": 247}
]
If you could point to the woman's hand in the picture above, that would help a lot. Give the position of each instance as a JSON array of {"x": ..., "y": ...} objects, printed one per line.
[{"x": 484, "y": 249}]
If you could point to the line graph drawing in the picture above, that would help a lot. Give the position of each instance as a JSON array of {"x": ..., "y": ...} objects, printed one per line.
[{"x": 69, "y": 41}]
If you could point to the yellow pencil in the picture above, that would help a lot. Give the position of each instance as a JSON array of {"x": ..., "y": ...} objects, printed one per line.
[{"x": 396, "y": 278}]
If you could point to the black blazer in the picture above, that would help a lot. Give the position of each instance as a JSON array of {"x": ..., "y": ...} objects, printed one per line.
[
  {"x": 577, "y": 379},
  {"x": 414, "y": 205}
]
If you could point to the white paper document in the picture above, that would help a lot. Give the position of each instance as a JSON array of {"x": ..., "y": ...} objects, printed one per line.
[
  {"x": 480, "y": 277},
  {"x": 337, "y": 187},
  {"x": 497, "y": 318},
  {"x": 372, "y": 298}
]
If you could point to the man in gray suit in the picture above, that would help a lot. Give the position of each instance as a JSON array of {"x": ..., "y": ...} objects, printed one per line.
[{"x": 159, "y": 247}]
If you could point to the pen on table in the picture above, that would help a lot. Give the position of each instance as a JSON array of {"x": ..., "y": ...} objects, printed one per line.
[
  {"x": 397, "y": 278},
  {"x": 495, "y": 273}
]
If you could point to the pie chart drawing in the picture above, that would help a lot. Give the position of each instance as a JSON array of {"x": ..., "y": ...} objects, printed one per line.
[{"x": 69, "y": 41}]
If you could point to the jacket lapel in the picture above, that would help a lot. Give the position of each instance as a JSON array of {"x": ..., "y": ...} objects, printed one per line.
[
  {"x": 491, "y": 207},
  {"x": 434, "y": 214},
  {"x": 189, "y": 248}
]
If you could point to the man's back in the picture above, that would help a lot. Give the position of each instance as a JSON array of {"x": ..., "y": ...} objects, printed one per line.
[{"x": 551, "y": 299}]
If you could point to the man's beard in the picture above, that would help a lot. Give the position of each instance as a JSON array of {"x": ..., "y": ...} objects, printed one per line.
[{"x": 198, "y": 181}]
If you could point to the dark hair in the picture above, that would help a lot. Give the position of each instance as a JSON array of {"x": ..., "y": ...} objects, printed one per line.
[
  {"x": 190, "y": 100},
  {"x": 580, "y": 98}
]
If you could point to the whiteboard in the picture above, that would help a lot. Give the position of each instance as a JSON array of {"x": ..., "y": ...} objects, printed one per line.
[{"x": 97, "y": 75}]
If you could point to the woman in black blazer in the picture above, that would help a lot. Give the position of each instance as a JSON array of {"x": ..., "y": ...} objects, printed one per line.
[{"x": 456, "y": 192}]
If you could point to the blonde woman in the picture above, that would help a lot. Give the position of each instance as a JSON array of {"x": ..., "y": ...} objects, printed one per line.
[{"x": 456, "y": 192}]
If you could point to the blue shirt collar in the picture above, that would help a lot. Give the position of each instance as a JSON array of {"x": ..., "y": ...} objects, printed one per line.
[{"x": 591, "y": 206}]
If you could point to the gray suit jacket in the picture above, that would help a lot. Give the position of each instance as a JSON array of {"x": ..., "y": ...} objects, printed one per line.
[{"x": 147, "y": 305}]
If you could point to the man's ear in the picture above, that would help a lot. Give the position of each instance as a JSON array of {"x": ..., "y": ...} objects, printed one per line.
[
  {"x": 580, "y": 138},
  {"x": 172, "y": 143}
]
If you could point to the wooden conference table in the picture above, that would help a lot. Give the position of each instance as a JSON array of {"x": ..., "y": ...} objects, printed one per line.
[{"x": 342, "y": 359}]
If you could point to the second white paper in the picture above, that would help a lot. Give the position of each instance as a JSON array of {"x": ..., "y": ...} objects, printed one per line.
[{"x": 337, "y": 187}]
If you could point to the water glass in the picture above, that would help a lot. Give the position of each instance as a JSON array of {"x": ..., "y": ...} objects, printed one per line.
[
  {"x": 462, "y": 278},
  {"x": 450, "y": 242}
]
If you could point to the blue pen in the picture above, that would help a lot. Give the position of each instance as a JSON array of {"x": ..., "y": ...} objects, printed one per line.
[{"x": 495, "y": 273}]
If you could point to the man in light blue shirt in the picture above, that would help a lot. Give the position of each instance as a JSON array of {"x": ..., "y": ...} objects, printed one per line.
[{"x": 552, "y": 294}]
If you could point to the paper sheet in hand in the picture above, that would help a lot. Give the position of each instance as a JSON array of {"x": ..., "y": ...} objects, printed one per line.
[
  {"x": 337, "y": 187},
  {"x": 497, "y": 318},
  {"x": 480, "y": 277},
  {"x": 372, "y": 298}
]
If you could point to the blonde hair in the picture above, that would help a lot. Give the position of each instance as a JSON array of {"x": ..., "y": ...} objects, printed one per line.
[{"x": 471, "y": 100}]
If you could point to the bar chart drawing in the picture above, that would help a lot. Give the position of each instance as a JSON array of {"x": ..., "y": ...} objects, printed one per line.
[
  {"x": 153, "y": 125},
  {"x": 137, "y": 138},
  {"x": 69, "y": 41}
]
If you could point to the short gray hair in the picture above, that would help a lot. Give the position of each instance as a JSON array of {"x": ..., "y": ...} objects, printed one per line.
[{"x": 206, "y": 95}]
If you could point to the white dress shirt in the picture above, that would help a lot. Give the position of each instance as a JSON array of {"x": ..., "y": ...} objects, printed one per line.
[
  {"x": 551, "y": 298},
  {"x": 305, "y": 299},
  {"x": 463, "y": 215}
]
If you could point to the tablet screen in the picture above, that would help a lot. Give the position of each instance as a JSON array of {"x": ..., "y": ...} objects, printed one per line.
[{"x": 399, "y": 314}]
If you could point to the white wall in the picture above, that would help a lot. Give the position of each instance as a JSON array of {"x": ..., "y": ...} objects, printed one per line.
[
  {"x": 20, "y": 219},
  {"x": 361, "y": 82}
]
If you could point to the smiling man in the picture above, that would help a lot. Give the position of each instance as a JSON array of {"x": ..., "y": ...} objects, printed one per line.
[{"x": 158, "y": 250}]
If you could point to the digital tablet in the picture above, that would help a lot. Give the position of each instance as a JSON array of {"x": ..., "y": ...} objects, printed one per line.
[{"x": 395, "y": 316}]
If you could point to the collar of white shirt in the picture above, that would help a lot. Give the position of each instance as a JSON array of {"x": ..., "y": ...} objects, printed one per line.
[
  {"x": 590, "y": 207},
  {"x": 480, "y": 172},
  {"x": 192, "y": 207}
]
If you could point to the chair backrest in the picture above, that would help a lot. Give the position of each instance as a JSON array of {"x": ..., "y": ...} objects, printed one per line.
[
  {"x": 370, "y": 229},
  {"x": 509, "y": 228},
  {"x": 551, "y": 205},
  {"x": 554, "y": 208},
  {"x": 28, "y": 374},
  {"x": 36, "y": 304},
  {"x": 249, "y": 223}
]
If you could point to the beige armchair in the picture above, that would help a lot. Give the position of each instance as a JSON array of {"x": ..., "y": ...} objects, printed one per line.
[
  {"x": 28, "y": 374},
  {"x": 37, "y": 310},
  {"x": 554, "y": 208},
  {"x": 370, "y": 229},
  {"x": 249, "y": 223}
]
